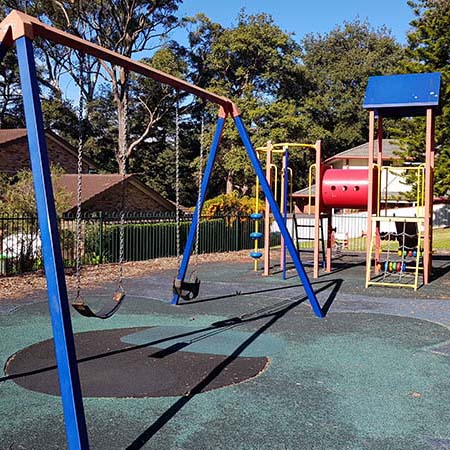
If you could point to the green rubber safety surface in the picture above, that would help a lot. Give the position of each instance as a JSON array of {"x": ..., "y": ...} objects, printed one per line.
[{"x": 349, "y": 381}]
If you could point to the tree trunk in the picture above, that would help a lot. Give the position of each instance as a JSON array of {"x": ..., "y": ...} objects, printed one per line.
[{"x": 229, "y": 183}]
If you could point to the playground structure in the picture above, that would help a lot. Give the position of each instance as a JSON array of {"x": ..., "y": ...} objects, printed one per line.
[
  {"x": 337, "y": 188},
  {"x": 399, "y": 96},
  {"x": 408, "y": 252},
  {"x": 21, "y": 29},
  {"x": 282, "y": 191}
]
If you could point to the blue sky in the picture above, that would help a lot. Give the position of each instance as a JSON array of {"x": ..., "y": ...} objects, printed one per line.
[{"x": 302, "y": 17}]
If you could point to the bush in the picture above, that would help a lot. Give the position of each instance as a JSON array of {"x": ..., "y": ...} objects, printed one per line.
[{"x": 226, "y": 205}]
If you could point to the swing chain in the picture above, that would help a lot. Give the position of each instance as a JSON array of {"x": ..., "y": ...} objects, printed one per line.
[
  {"x": 199, "y": 180},
  {"x": 78, "y": 219},
  {"x": 177, "y": 172},
  {"x": 122, "y": 208}
]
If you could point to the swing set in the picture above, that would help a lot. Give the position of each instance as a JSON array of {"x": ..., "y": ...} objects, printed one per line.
[{"x": 20, "y": 30}]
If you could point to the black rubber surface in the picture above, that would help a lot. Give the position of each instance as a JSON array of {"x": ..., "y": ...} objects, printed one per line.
[{"x": 110, "y": 368}]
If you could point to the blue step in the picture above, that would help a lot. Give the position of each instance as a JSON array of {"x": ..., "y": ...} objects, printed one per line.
[
  {"x": 256, "y": 255},
  {"x": 256, "y": 235},
  {"x": 256, "y": 216}
]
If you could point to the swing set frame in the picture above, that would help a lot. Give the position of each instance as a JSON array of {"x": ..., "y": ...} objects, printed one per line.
[{"x": 20, "y": 29}]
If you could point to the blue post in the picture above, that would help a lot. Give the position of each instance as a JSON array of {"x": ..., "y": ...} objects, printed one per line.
[
  {"x": 69, "y": 382},
  {"x": 285, "y": 203},
  {"x": 198, "y": 207},
  {"x": 278, "y": 217}
]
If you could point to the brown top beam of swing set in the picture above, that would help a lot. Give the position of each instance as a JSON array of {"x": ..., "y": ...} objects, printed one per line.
[{"x": 18, "y": 24}]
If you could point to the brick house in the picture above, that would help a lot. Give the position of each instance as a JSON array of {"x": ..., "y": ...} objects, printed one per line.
[
  {"x": 112, "y": 193},
  {"x": 14, "y": 154},
  {"x": 101, "y": 192}
]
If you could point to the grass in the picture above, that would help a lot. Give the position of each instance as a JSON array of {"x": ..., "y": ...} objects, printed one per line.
[{"x": 441, "y": 242}]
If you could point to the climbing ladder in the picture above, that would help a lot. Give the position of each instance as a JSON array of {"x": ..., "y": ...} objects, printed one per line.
[{"x": 305, "y": 251}]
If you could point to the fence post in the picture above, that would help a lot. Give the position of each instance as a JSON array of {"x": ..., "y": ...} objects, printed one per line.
[
  {"x": 100, "y": 238},
  {"x": 238, "y": 217}
]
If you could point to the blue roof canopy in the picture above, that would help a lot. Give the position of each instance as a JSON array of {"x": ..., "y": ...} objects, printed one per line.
[{"x": 403, "y": 95}]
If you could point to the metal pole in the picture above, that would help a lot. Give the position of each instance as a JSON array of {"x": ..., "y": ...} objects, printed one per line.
[
  {"x": 279, "y": 218},
  {"x": 198, "y": 207},
  {"x": 284, "y": 204},
  {"x": 54, "y": 270}
]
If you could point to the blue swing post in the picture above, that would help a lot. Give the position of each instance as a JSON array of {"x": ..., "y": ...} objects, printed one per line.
[
  {"x": 278, "y": 217},
  {"x": 198, "y": 207},
  {"x": 76, "y": 432}
]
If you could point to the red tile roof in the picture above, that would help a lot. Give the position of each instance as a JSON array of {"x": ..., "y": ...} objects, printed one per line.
[
  {"x": 95, "y": 184},
  {"x": 92, "y": 185},
  {"x": 12, "y": 134}
]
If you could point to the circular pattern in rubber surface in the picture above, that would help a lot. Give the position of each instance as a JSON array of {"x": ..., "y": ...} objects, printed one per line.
[{"x": 109, "y": 367}]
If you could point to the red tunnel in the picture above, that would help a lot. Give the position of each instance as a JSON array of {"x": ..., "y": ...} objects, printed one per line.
[{"x": 346, "y": 188}]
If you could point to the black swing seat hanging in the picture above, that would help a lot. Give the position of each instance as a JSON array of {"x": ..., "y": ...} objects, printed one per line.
[
  {"x": 108, "y": 309},
  {"x": 187, "y": 290}
]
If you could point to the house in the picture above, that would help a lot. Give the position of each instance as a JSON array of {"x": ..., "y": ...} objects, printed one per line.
[
  {"x": 100, "y": 192},
  {"x": 14, "y": 154},
  {"x": 111, "y": 193},
  {"x": 357, "y": 157},
  {"x": 353, "y": 159}
]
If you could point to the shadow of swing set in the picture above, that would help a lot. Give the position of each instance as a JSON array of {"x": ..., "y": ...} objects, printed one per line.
[{"x": 21, "y": 29}]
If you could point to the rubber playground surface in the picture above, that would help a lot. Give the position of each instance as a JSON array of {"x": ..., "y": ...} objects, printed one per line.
[{"x": 246, "y": 365}]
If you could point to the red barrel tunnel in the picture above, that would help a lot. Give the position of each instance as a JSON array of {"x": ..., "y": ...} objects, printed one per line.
[{"x": 347, "y": 188}]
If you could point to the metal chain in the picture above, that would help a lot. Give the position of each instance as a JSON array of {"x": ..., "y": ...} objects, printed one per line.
[
  {"x": 199, "y": 180},
  {"x": 122, "y": 208},
  {"x": 177, "y": 172},
  {"x": 78, "y": 221}
]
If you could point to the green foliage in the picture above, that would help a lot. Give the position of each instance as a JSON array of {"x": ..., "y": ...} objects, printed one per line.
[
  {"x": 17, "y": 194},
  {"x": 428, "y": 51},
  {"x": 337, "y": 66},
  {"x": 254, "y": 63},
  {"x": 230, "y": 205}
]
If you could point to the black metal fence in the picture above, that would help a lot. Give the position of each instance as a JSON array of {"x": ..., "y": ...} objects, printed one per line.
[
  {"x": 149, "y": 236},
  {"x": 145, "y": 236}
]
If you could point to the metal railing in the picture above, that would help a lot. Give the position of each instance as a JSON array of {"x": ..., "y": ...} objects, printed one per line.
[{"x": 150, "y": 235}]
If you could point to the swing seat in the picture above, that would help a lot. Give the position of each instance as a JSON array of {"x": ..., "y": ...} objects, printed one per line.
[
  {"x": 187, "y": 290},
  {"x": 108, "y": 309}
]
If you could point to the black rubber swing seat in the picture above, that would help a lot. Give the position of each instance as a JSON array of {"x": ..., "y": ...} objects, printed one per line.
[
  {"x": 187, "y": 290},
  {"x": 108, "y": 309}
]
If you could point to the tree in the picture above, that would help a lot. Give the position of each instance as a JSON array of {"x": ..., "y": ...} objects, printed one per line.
[
  {"x": 337, "y": 66},
  {"x": 248, "y": 63},
  {"x": 17, "y": 194},
  {"x": 127, "y": 27},
  {"x": 429, "y": 51},
  {"x": 11, "y": 114}
]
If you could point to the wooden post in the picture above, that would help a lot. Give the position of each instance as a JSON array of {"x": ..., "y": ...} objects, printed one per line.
[
  {"x": 267, "y": 212},
  {"x": 370, "y": 192},
  {"x": 428, "y": 216},
  {"x": 317, "y": 209},
  {"x": 376, "y": 184}
]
